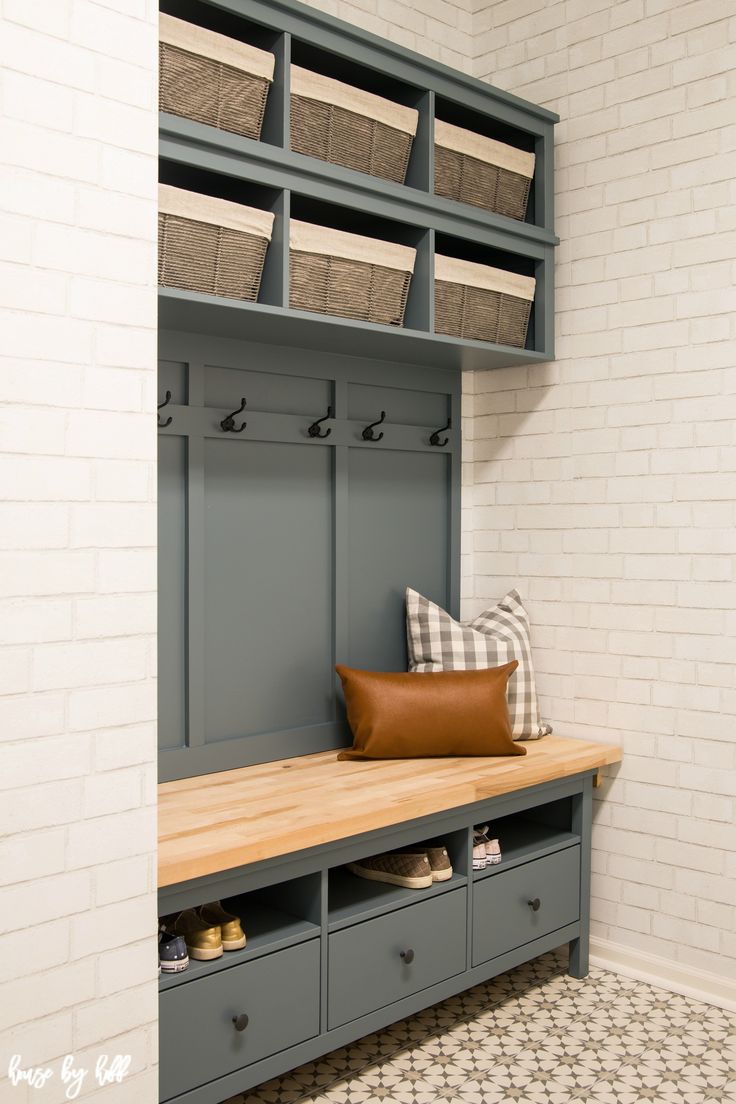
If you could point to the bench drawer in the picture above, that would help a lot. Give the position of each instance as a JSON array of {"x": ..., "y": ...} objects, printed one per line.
[
  {"x": 199, "y": 1042},
  {"x": 503, "y": 917},
  {"x": 367, "y": 969}
]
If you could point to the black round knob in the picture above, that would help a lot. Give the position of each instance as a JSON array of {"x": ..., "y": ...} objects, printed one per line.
[
  {"x": 241, "y": 1022},
  {"x": 408, "y": 956},
  {"x": 534, "y": 905}
]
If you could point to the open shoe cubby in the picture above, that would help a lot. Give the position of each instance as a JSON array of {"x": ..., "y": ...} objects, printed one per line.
[
  {"x": 274, "y": 918},
  {"x": 531, "y": 834},
  {"x": 295, "y": 33}
]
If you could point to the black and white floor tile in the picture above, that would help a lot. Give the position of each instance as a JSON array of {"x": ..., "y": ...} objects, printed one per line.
[{"x": 532, "y": 1036}]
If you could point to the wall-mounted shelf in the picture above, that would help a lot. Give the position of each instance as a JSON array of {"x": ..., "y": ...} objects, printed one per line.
[
  {"x": 202, "y": 157},
  {"x": 208, "y": 314}
]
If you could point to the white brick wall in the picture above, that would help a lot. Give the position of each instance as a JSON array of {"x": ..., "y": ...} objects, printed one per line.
[
  {"x": 604, "y": 483},
  {"x": 77, "y": 538},
  {"x": 440, "y": 29}
]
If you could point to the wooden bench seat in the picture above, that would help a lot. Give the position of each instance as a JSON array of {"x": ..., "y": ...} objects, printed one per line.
[{"x": 217, "y": 822}]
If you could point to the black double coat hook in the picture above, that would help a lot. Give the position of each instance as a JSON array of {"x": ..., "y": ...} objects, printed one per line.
[
  {"x": 435, "y": 439},
  {"x": 169, "y": 420},
  {"x": 227, "y": 425},
  {"x": 314, "y": 430},
  {"x": 368, "y": 432}
]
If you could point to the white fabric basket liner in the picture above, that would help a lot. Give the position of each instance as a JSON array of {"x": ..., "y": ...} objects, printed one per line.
[
  {"x": 228, "y": 51},
  {"x": 314, "y": 86},
  {"x": 450, "y": 270},
  {"x": 216, "y": 212},
  {"x": 485, "y": 149},
  {"x": 305, "y": 237}
]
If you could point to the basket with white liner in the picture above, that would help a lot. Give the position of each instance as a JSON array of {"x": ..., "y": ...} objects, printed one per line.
[
  {"x": 211, "y": 78},
  {"x": 481, "y": 171},
  {"x": 211, "y": 245},
  {"x": 350, "y": 275},
  {"x": 481, "y": 303},
  {"x": 347, "y": 126}
]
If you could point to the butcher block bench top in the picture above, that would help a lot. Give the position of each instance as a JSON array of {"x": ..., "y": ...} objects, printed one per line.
[{"x": 215, "y": 822}]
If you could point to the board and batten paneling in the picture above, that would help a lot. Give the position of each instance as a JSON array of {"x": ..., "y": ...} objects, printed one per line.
[
  {"x": 283, "y": 553},
  {"x": 268, "y": 570},
  {"x": 398, "y": 524}
]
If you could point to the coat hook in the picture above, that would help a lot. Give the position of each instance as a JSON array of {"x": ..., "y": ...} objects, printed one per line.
[
  {"x": 160, "y": 406},
  {"x": 435, "y": 437},
  {"x": 228, "y": 424},
  {"x": 368, "y": 434},
  {"x": 313, "y": 430}
]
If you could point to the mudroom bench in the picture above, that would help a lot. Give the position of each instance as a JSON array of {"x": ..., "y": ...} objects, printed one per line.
[{"x": 331, "y": 957}]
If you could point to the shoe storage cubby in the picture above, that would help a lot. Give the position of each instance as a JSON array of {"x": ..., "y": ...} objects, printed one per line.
[
  {"x": 531, "y": 835},
  {"x": 273, "y": 918},
  {"x": 352, "y": 899},
  {"x": 412, "y": 212}
]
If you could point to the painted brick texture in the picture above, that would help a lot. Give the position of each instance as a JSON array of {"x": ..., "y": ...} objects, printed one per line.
[
  {"x": 77, "y": 539},
  {"x": 440, "y": 29},
  {"x": 603, "y": 484}
]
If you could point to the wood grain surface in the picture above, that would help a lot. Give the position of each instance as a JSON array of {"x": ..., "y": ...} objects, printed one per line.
[{"x": 216, "y": 822}]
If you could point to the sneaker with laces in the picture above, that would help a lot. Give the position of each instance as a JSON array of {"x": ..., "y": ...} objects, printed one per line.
[
  {"x": 233, "y": 936},
  {"x": 493, "y": 851},
  {"x": 480, "y": 851},
  {"x": 172, "y": 952},
  {"x": 493, "y": 848},
  {"x": 203, "y": 940}
]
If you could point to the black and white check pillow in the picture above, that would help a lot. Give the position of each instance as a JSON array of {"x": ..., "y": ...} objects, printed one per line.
[{"x": 437, "y": 642}]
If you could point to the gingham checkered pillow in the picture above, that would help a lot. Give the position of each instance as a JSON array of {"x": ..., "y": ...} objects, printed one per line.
[{"x": 437, "y": 642}]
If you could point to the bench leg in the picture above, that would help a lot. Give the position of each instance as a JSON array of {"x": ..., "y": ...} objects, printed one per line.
[
  {"x": 582, "y": 824},
  {"x": 578, "y": 965}
]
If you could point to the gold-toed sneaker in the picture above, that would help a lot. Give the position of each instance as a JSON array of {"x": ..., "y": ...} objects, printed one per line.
[
  {"x": 233, "y": 936},
  {"x": 203, "y": 940}
]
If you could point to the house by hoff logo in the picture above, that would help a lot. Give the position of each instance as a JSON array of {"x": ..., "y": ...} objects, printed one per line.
[{"x": 107, "y": 1071}]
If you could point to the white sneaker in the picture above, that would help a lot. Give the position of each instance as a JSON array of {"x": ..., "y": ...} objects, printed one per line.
[{"x": 493, "y": 852}]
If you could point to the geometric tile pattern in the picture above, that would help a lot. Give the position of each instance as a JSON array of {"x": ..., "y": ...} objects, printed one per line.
[{"x": 532, "y": 1036}]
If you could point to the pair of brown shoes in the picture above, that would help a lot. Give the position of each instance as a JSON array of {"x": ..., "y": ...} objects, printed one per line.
[
  {"x": 208, "y": 931},
  {"x": 412, "y": 867}
]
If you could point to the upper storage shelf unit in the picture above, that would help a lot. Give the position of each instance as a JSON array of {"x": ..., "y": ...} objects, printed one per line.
[{"x": 447, "y": 171}]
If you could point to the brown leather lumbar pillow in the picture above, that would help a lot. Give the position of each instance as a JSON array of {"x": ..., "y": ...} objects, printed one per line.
[{"x": 438, "y": 713}]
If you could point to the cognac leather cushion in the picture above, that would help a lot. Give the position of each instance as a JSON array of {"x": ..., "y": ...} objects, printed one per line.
[{"x": 442, "y": 713}]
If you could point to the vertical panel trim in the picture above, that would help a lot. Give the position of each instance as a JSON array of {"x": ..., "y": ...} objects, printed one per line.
[
  {"x": 454, "y": 468},
  {"x": 341, "y": 533},
  {"x": 195, "y": 567}
]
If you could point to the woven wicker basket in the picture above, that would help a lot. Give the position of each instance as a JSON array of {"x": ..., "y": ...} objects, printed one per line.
[
  {"x": 211, "y": 78},
  {"x": 481, "y": 303},
  {"x": 344, "y": 125},
  {"x": 349, "y": 275},
  {"x": 477, "y": 170},
  {"x": 210, "y": 245}
]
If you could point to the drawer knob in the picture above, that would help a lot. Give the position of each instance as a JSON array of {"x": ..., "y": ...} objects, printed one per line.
[
  {"x": 241, "y": 1022},
  {"x": 408, "y": 956},
  {"x": 534, "y": 904}
]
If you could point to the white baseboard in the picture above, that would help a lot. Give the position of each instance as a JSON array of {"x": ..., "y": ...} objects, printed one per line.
[{"x": 675, "y": 976}]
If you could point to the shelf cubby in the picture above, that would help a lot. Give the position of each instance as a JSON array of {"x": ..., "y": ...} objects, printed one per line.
[
  {"x": 292, "y": 185},
  {"x": 468, "y": 250},
  {"x": 274, "y": 918},
  {"x": 530, "y": 835},
  {"x": 352, "y": 899},
  {"x": 482, "y": 123}
]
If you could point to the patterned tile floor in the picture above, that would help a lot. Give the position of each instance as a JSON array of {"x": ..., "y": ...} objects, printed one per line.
[{"x": 534, "y": 1036}]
